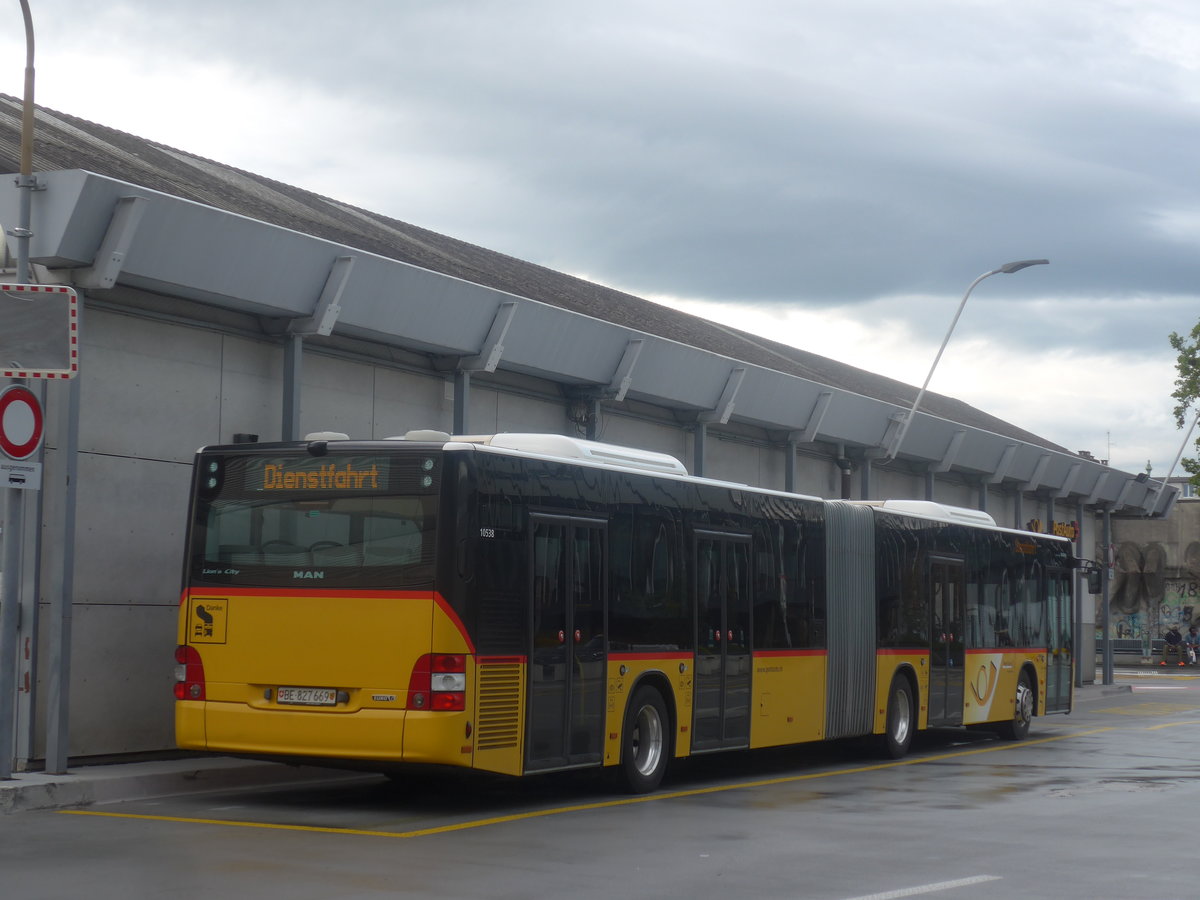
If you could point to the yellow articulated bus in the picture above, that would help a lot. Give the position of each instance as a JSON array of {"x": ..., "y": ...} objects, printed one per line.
[{"x": 526, "y": 603}]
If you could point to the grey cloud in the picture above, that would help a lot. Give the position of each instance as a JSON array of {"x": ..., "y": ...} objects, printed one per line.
[{"x": 763, "y": 152}]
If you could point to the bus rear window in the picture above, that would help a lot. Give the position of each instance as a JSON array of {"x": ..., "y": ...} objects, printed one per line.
[{"x": 264, "y": 523}]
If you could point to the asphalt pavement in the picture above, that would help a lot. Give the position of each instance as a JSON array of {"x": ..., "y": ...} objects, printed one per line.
[{"x": 87, "y": 785}]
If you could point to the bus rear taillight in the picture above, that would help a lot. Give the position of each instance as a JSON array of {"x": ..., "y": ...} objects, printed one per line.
[
  {"x": 189, "y": 674},
  {"x": 439, "y": 682}
]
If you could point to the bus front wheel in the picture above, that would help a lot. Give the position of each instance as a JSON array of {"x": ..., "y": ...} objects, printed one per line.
[
  {"x": 1018, "y": 727},
  {"x": 645, "y": 745},
  {"x": 901, "y": 720}
]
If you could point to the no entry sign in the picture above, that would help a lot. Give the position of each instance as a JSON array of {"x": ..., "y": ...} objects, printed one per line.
[{"x": 20, "y": 422}]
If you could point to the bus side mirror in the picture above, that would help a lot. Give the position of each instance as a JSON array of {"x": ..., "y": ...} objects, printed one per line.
[{"x": 1095, "y": 581}]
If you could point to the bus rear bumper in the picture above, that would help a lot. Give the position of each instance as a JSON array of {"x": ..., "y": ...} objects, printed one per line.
[{"x": 390, "y": 736}]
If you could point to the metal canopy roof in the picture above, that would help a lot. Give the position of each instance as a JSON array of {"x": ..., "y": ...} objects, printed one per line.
[{"x": 114, "y": 233}]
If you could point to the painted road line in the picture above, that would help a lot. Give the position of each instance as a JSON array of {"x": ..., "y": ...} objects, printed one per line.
[
  {"x": 1160, "y": 687},
  {"x": 929, "y": 888}
]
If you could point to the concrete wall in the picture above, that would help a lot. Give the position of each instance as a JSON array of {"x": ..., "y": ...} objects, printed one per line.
[
  {"x": 150, "y": 394},
  {"x": 627, "y": 431},
  {"x": 1156, "y": 576}
]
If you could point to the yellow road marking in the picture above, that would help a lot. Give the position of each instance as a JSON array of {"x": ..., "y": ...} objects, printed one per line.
[
  {"x": 583, "y": 807},
  {"x": 273, "y": 825}
]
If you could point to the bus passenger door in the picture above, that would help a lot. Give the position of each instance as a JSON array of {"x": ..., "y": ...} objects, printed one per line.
[
  {"x": 1059, "y": 676},
  {"x": 722, "y": 678},
  {"x": 946, "y": 662},
  {"x": 568, "y": 649}
]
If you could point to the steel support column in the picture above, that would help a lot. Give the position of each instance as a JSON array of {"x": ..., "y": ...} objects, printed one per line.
[
  {"x": 1105, "y": 636},
  {"x": 293, "y": 359},
  {"x": 865, "y": 479},
  {"x": 62, "y": 603},
  {"x": 789, "y": 466},
  {"x": 1077, "y": 612},
  {"x": 462, "y": 399}
]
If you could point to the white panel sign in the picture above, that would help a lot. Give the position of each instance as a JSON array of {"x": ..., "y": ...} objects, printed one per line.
[{"x": 25, "y": 476}]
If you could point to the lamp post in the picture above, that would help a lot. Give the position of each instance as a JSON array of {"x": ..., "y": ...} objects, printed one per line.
[
  {"x": 1162, "y": 485},
  {"x": 14, "y": 508},
  {"x": 1006, "y": 269},
  {"x": 25, "y": 180}
]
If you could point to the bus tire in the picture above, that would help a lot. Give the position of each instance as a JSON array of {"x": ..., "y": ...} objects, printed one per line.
[
  {"x": 645, "y": 741},
  {"x": 901, "y": 720},
  {"x": 1017, "y": 728}
]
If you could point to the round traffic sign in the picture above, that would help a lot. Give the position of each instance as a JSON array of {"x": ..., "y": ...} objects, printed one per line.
[{"x": 20, "y": 422}]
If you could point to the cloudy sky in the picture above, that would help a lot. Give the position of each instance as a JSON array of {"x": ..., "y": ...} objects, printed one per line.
[{"x": 833, "y": 175}]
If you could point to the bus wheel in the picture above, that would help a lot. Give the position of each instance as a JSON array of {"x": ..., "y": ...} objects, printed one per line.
[
  {"x": 644, "y": 743},
  {"x": 901, "y": 720},
  {"x": 1018, "y": 728}
]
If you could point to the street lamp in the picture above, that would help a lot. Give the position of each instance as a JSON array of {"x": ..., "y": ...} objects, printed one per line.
[
  {"x": 1006, "y": 269},
  {"x": 26, "y": 180},
  {"x": 10, "y": 545}
]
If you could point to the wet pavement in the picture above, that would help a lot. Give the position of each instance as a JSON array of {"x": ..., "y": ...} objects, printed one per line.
[{"x": 85, "y": 785}]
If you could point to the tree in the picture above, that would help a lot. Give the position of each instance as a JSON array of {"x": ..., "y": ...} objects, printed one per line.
[{"x": 1187, "y": 388}]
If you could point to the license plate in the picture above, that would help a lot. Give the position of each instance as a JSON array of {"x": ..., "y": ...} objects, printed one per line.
[{"x": 302, "y": 696}]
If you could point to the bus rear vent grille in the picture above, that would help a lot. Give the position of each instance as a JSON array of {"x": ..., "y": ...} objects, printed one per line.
[{"x": 499, "y": 706}]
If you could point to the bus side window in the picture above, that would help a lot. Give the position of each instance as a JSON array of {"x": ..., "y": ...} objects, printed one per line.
[
  {"x": 646, "y": 609},
  {"x": 620, "y": 559}
]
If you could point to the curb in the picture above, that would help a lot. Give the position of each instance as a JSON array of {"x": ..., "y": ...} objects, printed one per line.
[{"x": 88, "y": 785}]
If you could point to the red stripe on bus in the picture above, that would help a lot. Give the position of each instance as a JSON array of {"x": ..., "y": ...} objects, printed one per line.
[
  {"x": 771, "y": 654},
  {"x": 455, "y": 620},
  {"x": 975, "y": 651},
  {"x": 308, "y": 592},
  {"x": 978, "y": 651}
]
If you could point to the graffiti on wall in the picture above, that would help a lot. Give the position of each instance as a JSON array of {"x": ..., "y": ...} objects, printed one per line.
[{"x": 1147, "y": 596}]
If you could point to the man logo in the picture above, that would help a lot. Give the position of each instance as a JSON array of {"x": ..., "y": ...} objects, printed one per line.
[{"x": 308, "y": 573}]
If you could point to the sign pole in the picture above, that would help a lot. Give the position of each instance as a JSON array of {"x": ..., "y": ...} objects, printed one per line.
[
  {"x": 21, "y": 426},
  {"x": 14, "y": 523},
  {"x": 14, "y": 506},
  {"x": 58, "y": 682}
]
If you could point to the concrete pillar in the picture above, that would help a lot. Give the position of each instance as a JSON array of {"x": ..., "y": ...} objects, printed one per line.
[
  {"x": 462, "y": 399},
  {"x": 699, "y": 434}
]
